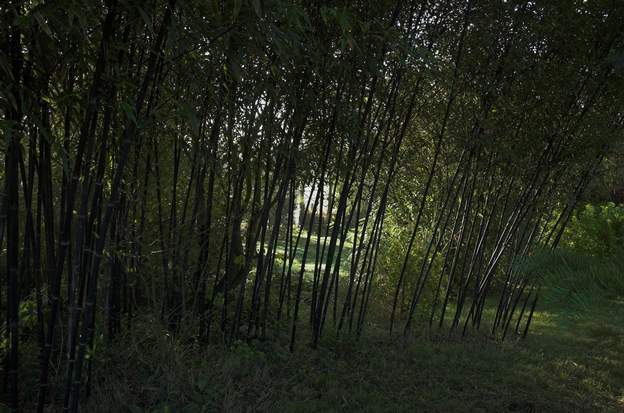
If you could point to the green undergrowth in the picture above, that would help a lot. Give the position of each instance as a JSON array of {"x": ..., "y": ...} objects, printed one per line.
[{"x": 567, "y": 364}]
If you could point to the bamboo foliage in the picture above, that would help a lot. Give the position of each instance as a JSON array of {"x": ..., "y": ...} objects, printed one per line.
[{"x": 232, "y": 168}]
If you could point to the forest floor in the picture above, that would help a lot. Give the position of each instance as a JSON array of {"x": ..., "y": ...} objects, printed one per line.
[{"x": 569, "y": 363}]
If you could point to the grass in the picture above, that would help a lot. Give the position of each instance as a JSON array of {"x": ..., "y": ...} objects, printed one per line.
[
  {"x": 572, "y": 361},
  {"x": 345, "y": 260},
  {"x": 567, "y": 364}
]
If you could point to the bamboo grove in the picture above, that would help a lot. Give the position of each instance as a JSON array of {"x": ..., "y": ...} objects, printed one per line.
[{"x": 235, "y": 168}]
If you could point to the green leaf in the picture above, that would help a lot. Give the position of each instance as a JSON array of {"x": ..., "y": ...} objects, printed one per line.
[
  {"x": 202, "y": 382},
  {"x": 257, "y": 7},
  {"x": 192, "y": 408},
  {"x": 238, "y": 4},
  {"x": 146, "y": 18},
  {"x": 128, "y": 110},
  {"x": 234, "y": 68},
  {"x": 43, "y": 24}
]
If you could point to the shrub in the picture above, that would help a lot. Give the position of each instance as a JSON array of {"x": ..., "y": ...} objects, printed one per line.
[
  {"x": 392, "y": 251},
  {"x": 596, "y": 230},
  {"x": 574, "y": 280}
]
